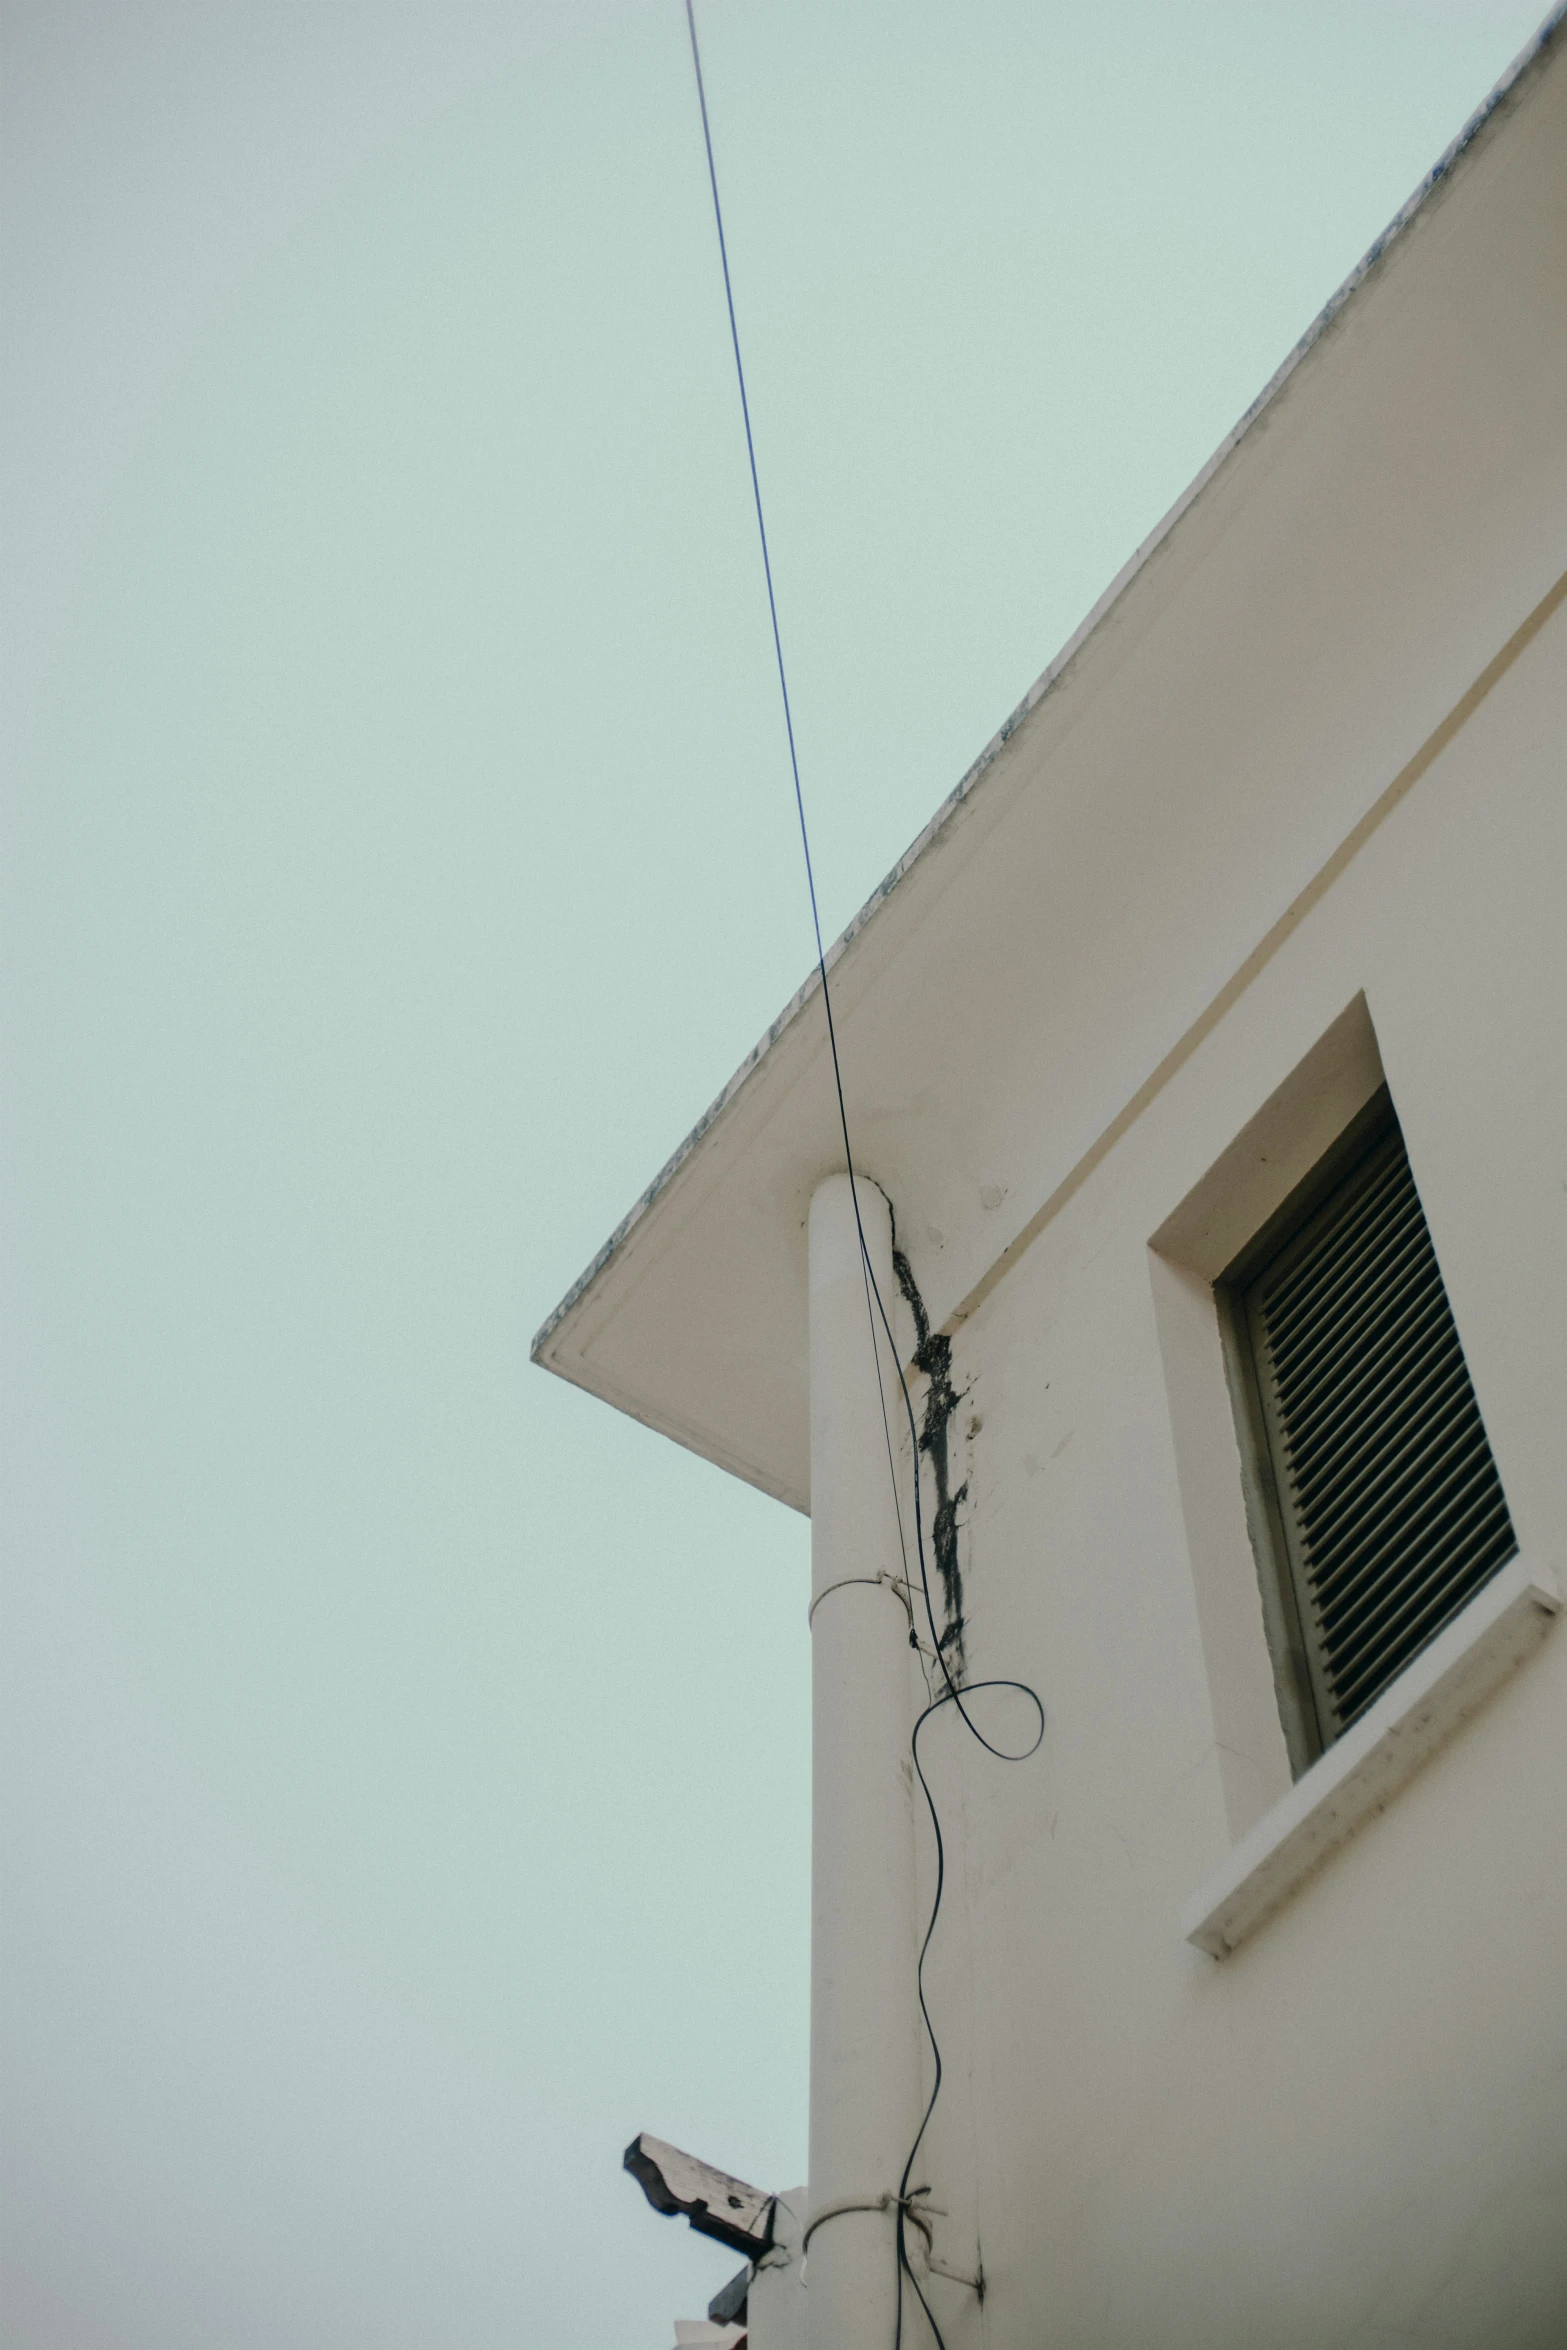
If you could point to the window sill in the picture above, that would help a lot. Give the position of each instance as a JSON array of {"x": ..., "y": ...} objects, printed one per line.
[{"x": 1358, "y": 1774}]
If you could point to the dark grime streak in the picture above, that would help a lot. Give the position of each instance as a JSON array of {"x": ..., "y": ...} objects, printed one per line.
[{"x": 933, "y": 1356}]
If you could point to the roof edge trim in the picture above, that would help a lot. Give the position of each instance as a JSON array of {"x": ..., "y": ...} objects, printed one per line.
[{"x": 1528, "y": 58}]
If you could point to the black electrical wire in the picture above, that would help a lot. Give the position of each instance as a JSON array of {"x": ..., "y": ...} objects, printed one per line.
[{"x": 875, "y": 1304}]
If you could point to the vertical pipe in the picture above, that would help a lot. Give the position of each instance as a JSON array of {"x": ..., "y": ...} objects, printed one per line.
[{"x": 864, "y": 2050}]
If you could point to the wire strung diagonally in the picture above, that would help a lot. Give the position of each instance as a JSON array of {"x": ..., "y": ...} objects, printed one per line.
[{"x": 876, "y": 1307}]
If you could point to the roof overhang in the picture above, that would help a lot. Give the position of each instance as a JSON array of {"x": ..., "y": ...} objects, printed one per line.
[{"x": 1386, "y": 516}]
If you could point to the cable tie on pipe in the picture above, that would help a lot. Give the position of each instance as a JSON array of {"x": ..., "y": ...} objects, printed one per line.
[{"x": 917, "y": 2213}]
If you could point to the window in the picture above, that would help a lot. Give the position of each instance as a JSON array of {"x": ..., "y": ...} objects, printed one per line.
[{"x": 1374, "y": 1499}]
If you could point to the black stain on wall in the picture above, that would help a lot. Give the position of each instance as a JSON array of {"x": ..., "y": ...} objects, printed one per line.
[{"x": 933, "y": 1356}]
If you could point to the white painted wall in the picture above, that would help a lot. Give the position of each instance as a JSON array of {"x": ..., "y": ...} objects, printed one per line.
[{"x": 1354, "y": 2129}]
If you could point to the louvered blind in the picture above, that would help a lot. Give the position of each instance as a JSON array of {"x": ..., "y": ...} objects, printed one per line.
[{"x": 1393, "y": 1512}]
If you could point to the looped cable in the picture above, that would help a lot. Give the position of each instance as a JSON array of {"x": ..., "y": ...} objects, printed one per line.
[{"x": 894, "y": 1583}]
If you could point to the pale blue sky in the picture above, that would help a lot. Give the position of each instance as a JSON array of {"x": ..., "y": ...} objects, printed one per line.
[{"x": 409, "y": 1758}]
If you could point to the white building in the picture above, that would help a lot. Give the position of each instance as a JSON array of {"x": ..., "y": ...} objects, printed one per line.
[{"x": 1242, "y": 944}]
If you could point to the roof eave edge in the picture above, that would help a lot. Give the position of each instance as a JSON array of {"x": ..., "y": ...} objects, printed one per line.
[{"x": 1051, "y": 677}]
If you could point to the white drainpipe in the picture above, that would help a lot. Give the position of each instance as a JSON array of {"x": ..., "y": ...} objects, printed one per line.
[{"x": 864, "y": 2048}]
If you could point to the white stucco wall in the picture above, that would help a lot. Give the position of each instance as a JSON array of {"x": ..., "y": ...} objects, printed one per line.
[{"x": 1354, "y": 2129}]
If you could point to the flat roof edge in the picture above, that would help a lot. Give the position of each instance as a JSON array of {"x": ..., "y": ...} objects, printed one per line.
[{"x": 1528, "y": 59}]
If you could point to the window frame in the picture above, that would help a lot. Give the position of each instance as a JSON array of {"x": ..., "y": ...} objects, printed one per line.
[{"x": 1306, "y": 1709}]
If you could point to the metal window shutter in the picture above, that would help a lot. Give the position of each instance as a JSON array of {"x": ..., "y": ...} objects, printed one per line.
[{"x": 1393, "y": 1511}]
